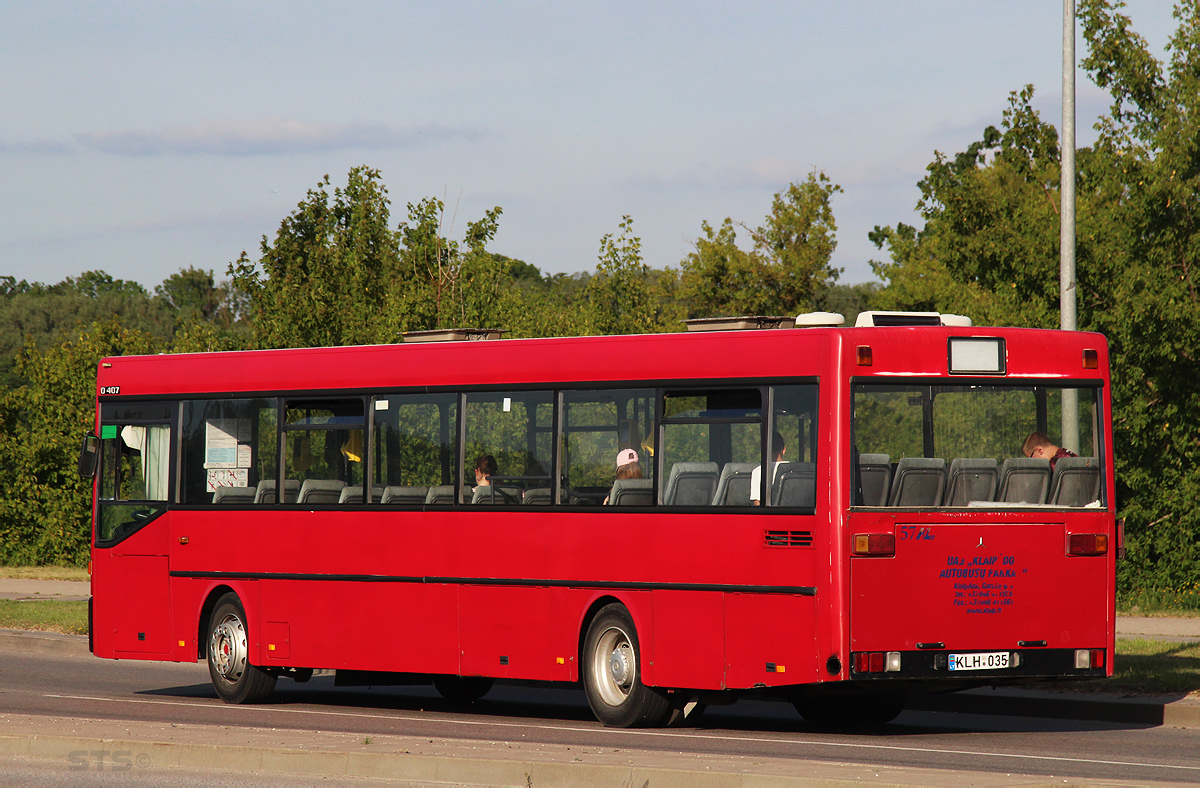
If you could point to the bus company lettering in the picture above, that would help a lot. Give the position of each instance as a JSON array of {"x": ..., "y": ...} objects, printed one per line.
[{"x": 983, "y": 597}]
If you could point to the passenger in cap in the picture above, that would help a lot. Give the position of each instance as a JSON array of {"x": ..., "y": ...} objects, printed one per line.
[{"x": 628, "y": 466}]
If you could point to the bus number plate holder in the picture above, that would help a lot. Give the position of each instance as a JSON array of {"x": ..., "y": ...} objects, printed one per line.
[{"x": 989, "y": 660}]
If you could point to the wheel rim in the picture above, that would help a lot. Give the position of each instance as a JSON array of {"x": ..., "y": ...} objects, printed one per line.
[
  {"x": 227, "y": 649},
  {"x": 614, "y": 665}
]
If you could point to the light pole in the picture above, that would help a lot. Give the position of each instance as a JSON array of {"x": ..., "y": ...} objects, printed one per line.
[{"x": 1066, "y": 276}]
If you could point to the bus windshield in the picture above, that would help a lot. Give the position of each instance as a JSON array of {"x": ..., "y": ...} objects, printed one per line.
[{"x": 920, "y": 445}]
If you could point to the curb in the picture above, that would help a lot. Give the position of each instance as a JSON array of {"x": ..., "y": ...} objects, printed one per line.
[
  {"x": 1176, "y": 712},
  {"x": 398, "y": 759},
  {"x": 31, "y": 642}
]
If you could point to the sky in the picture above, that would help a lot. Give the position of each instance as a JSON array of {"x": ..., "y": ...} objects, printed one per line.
[{"x": 144, "y": 138}]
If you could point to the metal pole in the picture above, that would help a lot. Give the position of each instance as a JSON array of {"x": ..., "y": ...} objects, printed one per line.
[{"x": 1067, "y": 315}]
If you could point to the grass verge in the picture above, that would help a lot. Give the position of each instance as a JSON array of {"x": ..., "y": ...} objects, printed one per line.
[
  {"x": 69, "y": 618},
  {"x": 1175, "y": 602},
  {"x": 44, "y": 573},
  {"x": 1145, "y": 668}
]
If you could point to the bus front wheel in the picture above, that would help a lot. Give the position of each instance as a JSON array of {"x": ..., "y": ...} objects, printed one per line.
[
  {"x": 234, "y": 677},
  {"x": 612, "y": 674}
]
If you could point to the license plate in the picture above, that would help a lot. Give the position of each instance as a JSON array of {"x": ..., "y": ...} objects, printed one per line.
[{"x": 991, "y": 660}]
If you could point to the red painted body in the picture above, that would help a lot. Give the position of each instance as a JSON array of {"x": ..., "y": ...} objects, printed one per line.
[{"x": 699, "y": 639}]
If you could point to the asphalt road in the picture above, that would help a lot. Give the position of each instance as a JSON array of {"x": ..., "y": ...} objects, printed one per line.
[{"x": 81, "y": 693}]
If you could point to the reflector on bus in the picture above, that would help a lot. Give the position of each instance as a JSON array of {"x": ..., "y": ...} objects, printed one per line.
[{"x": 976, "y": 355}]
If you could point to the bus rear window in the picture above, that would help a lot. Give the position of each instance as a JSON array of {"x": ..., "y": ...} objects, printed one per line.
[{"x": 976, "y": 446}]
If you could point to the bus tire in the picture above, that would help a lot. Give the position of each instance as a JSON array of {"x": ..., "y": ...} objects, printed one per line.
[
  {"x": 234, "y": 677},
  {"x": 612, "y": 676},
  {"x": 832, "y": 711},
  {"x": 463, "y": 688}
]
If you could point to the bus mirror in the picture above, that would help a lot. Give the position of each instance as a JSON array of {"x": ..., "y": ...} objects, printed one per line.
[{"x": 88, "y": 453}]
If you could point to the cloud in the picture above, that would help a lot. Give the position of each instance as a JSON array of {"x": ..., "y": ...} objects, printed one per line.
[
  {"x": 767, "y": 173},
  {"x": 268, "y": 137},
  {"x": 37, "y": 147}
]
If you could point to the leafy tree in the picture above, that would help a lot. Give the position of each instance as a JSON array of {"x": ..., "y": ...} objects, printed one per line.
[
  {"x": 621, "y": 296},
  {"x": 786, "y": 267},
  {"x": 336, "y": 274},
  {"x": 446, "y": 283},
  {"x": 48, "y": 313},
  {"x": 327, "y": 276},
  {"x": 45, "y": 509}
]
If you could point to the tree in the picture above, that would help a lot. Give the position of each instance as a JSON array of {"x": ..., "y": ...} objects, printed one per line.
[
  {"x": 785, "y": 269},
  {"x": 621, "y": 296},
  {"x": 49, "y": 313},
  {"x": 326, "y": 277},
  {"x": 336, "y": 274},
  {"x": 449, "y": 284},
  {"x": 45, "y": 509}
]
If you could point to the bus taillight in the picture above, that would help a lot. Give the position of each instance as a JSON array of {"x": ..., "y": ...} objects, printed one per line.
[
  {"x": 1087, "y": 544},
  {"x": 875, "y": 661},
  {"x": 1089, "y": 658},
  {"x": 875, "y": 544}
]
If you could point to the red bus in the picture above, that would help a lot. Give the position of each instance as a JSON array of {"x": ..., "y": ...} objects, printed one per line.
[{"x": 451, "y": 512}]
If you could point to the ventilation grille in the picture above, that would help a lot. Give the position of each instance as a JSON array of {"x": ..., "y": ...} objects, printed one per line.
[{"x": 788, "y": 538}]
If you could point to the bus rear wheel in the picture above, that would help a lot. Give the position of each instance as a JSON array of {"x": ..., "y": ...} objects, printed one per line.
[
  {"x": 612, "y": 675},
  {"x": 234, "y": 677}
]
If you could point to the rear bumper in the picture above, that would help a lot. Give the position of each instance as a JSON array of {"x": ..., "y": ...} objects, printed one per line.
[{"x": 1028, "y": 663}]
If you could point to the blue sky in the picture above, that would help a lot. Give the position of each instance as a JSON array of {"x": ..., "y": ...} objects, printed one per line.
[{"x": 141, "y": 138}]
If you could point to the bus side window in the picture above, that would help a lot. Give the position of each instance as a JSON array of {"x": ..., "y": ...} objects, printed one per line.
[
  {"x": 228, "y": 450},
  {"x": 414, "y": 458},
  {"x": 509, "y": 445},
  {"x": 323, "y": 447},
  {"x": 607, "y": 447},
  {"x": 704, "y": 431}
]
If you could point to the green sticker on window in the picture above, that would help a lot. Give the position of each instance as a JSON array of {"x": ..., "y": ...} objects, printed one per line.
[{"x": 108, "y": 431}]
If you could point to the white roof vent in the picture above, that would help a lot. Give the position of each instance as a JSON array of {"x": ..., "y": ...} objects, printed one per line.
[
  {"x": 869, "y": 319},
  {"x": 819, "y": 319}
]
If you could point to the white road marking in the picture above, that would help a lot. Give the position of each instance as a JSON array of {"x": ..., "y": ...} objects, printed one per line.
[{"x": 628, "y": 732}]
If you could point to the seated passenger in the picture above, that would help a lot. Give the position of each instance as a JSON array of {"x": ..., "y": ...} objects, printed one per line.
[
  {"x": 485, "y": 468},
  {"x": 628, "y": 466},
  {"x": 778, "y": 448},
  {"x": 1038, "y": 445}
]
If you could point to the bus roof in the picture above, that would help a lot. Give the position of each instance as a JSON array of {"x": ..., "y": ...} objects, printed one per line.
[{"x": 801, "y": 352}]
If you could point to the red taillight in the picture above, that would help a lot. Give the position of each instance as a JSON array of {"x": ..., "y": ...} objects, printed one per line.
[
  {"x": 1087, "y": 544},
  {"x": 875, "y": 661},
  {"x": 1097, "y": 658},
  {"x": 875, "y": 544}
]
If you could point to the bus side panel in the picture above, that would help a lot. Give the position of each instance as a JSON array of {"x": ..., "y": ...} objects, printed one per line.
[
  {"x": 409, "y": 627},
  {"x": 682, "y": 620},
  {"x": 770, "y": 640},
  {"x": 131, "y": 610},
  {"x": 507, "y": 633}
]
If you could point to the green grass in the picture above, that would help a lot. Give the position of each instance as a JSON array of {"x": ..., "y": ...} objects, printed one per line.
[
  {"x": 45, "y": 615},
  {"x": 1145, "y": 668},
  {"x": 44, "y": 573},
  {"x": 1177, "y": 602}
]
